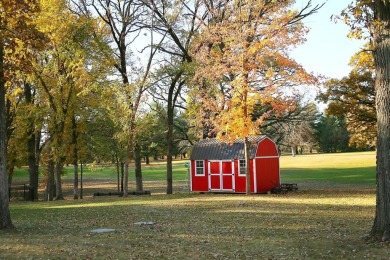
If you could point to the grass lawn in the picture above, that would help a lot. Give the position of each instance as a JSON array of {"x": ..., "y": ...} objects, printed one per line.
[
  {"x": 325, "y": 219},
  {"x": 330, "y": 170}
]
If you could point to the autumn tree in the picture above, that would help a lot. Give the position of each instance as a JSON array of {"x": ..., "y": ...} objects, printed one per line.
[
  {"x": 64, "y": 74},
  {"x": 353, "y": 97},
  {"x": 371, "y": 19},
  {"x": 16, "y": 32},
  {"x": 243, "y": 52},
  {"x": 24, "y": 129}
]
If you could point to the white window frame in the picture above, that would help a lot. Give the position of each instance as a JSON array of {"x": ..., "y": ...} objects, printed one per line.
[
  {"x": 198, "y": 167},
  {"x": 242, "y": 170}
]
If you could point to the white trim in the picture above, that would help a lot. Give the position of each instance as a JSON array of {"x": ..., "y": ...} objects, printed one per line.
[
  {"x": 190, "y": 176},
  {"x": 254, "y": 176},
  {"x": 233, "y": 177},
  {"x": 209, "y": 177},
  {"x": 221, "y": 174},
  {"x": 228, "y": 174},
  {"x": 214, "y": 174},
  {"x": 196, "y": 168},
  {"x": 279, "y": 172},
  {"x": 239, "y": 167}
]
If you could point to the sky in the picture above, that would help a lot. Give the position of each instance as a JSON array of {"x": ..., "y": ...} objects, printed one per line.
[{"x": 327, "y": 50}]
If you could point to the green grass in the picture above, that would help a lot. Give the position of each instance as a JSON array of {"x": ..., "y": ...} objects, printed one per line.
[
  {"x": 328, "y": 169},
  {"x": 303, "y": 224},
  {"x": 325, "y": 219},
  {"x": 154, "y": 171}
]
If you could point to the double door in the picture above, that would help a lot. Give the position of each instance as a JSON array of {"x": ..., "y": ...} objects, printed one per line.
[{"x": 221, "y": 176}]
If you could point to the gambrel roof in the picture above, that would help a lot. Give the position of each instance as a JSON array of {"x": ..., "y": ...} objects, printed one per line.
[{"x": 215, "y": 149}]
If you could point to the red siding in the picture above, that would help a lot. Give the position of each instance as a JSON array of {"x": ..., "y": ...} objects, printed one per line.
[
  {"x": 252, "y": 175},
  {"x": 215, "y": 182},
  {"x": 266, "y": 148},
  {"x": 199, "y": 183},
  {"x": 240, "y": 180},
  {"x": 267, "y": 176},
  {"x": 214, "y": 167}
]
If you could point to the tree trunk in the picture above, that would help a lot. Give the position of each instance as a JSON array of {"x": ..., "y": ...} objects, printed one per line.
[
  {"x": 147, "y": 160},
  {"x": 75, "y": 160},
  {"x": 381, "y": 225},
  {"x": 10, "y": 173},
  {"x": 59, "y": 167},
  {"x": 174, "y": 90},
  {"x": 32, "y": 136},
  {"x": 126, "y": 173},
  {"x": 50, "y": 180},
  {"x": 117, "y": 169},
  {"x": 33, "y": 166},
  {"x": 10, "y": 176},
  {"x": 76, "y": 179},
  {"x": 81, "y": 179},
  {"x": 248, "y": 172},
  {"x": 138, "y": 169},
  {"x": 122, "y": 174},
  {"x": 293, "y": 151},
  {"x": 5, "y": 216},
  {"x": 169, "y": 148}
]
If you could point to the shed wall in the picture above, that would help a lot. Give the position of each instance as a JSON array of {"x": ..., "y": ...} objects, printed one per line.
[
  {"x": 199, "y": 183},
  {"x": 267, "y": 174},
  {"x": 266, "y": 148}
]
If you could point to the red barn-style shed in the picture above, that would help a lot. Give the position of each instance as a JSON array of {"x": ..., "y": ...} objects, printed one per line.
[{"x": 220, "y": 167}]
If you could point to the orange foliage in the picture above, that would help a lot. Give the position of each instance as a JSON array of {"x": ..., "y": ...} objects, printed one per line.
[{"x": 243, "y": 60}]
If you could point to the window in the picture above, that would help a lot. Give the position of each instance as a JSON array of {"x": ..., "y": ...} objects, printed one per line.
[
  {"x": 199, "y": 167},
  {"x": 242, "y": 168}
]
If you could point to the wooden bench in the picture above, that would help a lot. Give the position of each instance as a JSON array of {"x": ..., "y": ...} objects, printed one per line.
[
  {"x": 285, "y": 187},
  {"x": 21, "y": 192}
]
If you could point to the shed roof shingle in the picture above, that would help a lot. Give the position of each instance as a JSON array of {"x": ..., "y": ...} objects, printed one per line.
[{"x": 214, "y": 149}]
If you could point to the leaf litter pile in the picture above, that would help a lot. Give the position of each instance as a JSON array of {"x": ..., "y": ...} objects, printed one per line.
[{"x": 304, "y": 224}]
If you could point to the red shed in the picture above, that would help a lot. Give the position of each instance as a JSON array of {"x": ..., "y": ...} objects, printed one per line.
[{"x": 220, "y": 167}]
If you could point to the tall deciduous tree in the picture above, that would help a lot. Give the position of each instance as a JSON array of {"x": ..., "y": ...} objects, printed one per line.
[
  {"x": 125, "y": 20},
  {"x": 5, "y": 217},
  {"x": 64, "y": 72},
  {"x": 178, "y": 21},
  {"x": 244, "y": 49},
  {"x": 373, "y": 16},
  {"x": 16, "y": 31},
  {"x": 354, "y": 97}
]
